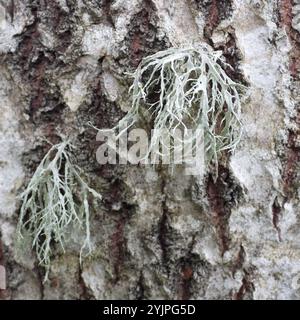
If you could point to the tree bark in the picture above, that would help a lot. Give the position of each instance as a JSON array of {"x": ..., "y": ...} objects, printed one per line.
[{"x": 156, "y": 235}]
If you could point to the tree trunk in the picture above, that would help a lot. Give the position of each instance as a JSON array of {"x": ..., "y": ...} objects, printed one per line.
[{"x": 156, "y": 234}]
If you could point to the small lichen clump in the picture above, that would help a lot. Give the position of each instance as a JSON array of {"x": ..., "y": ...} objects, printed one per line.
[
  {"x": 55, "y": 198},
  {"x": 181, "y": 88}
]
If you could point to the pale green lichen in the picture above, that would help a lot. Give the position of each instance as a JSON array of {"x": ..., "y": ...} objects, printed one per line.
[
  {"x": 181, "y": 88},
  {"x": 55, "y": 199}
]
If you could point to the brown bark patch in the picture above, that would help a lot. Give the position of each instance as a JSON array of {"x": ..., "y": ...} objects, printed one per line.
[
  {"x": 286, "y": 17},
  {"x": 246, "y": 289},
  {"x": 239, "y": 262},
  {"x": 220, "y": 213},
  {"x": 233, "y": 57},
  {"x": 292, "y": 159},
  {"x": 142, "y": 37},
  {"x": 290, "y": 171},
  {"x": 187, "y": 273},
  {"x": 141, "y": 289},
  {"x": 163, "y": 225},
  {"x": 118, "y": 244},
  {"x": 162, "y": 236},
  {"x": 276, "y": 211},
  {"x": 223, "y": 193},
  {"x": 214, "y": 11},
  {"x": 4, "y": 293}
]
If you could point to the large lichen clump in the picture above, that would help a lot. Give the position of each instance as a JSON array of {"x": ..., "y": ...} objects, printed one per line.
[
  {"x": 55, "y": 198},
  {"x": 187, "y": 88}
]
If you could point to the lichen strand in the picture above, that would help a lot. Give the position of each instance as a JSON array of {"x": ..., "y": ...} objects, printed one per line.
[
  {"x": 55, "y": 198},
  {"x": 187, "y": 89}
]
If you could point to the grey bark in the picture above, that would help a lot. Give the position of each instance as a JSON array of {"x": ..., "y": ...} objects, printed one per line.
[{"x": 156, "y": 235}]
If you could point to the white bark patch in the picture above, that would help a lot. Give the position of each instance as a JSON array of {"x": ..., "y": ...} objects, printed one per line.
[
  {"x": 74, "y": 91},
  {"x": 63, "y": 5},
  {"x": 218, "y": 283},
  {"x": 11, "y": 26},
  {"x": 94, "y": 278},
  {"x": 254, "y": 170},
  {"x": 102, "y": 40},
  {"x": 7, "y": 231},
  {"x": 125, "y": 11},
  {"x": 2, "y": 278},
  {"x": 279, "y": 270},
  {"x": 177, "y": 21},
  {"x": 47, "y": 39},
  {"x": 256, "y": 164},
  {"x": 98, "y": 40},
  {"x": 76, "y": 88},
  {"x": 11, "y": 146},
  {"x": 111, "y": 86}
]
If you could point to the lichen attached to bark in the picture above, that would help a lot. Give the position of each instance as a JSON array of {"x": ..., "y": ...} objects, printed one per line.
[{"x": 55, "y": 198}]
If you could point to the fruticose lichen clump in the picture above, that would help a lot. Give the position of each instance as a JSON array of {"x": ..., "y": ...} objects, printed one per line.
[
  {"x": 55, "y": 198},
  {"x": 187, "y": 88}
]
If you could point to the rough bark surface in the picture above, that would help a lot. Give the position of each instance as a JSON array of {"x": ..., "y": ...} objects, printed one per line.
[{"x": 156, "y": 235}]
